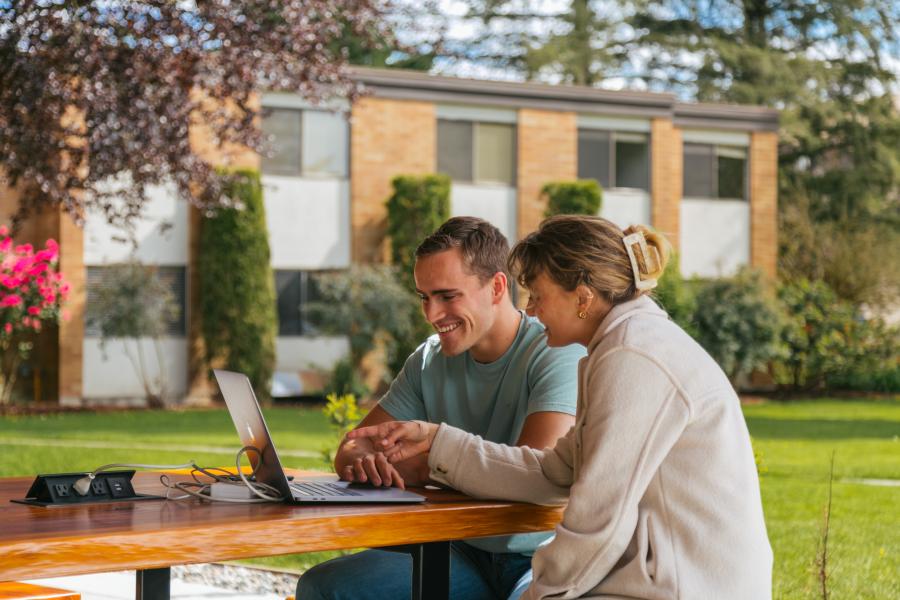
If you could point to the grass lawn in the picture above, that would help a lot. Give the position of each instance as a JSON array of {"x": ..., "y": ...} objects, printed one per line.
[{"x": 795, "y": 442}]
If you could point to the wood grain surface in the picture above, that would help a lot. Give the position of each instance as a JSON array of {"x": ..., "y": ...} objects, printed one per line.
[
  {"x": 91, "y": 538},
  {"x": 25, "y": 591}
]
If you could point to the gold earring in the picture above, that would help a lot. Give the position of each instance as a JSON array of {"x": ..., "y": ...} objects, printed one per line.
[{"x": 582, "y": 315}]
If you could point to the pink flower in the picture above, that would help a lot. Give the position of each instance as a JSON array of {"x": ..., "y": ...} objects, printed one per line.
[
  {"x": 5, "y": 244},
  {"x": 34, "y": 310},
  {"x": 25, "y": 249},
  {"x": 4, "y": 231},
  {"x": 8, "y": 328},
  {"x": 10, "y": 300},
  {"x": 26, "y": 321},
  {"x": 36, "y": 324}
]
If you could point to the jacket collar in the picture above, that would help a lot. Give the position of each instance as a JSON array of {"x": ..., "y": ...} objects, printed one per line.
[{"x": 621, "y": 313}]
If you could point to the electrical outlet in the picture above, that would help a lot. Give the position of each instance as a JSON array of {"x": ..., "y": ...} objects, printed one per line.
[
  {"x": 98, "y": 487},
  {"x": 119, "y": 488},
  {"x": 61, "y": 489}
]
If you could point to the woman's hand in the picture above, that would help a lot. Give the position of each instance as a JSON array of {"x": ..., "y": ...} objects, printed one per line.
[{"x": 398, "y": 440}]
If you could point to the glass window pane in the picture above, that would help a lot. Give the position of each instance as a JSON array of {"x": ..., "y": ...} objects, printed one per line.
[
  {"x": 494, "y": 153},
  {"x": 324, "y": 143},
  {"x": 593, "y": 156},
  {"x": 698, "y": 171},
  {"x": 311, "y": 294},
  {"x": 287, "y": 290},
  {"x": 454, "y": 149},
  {"x": 174, "y": 280},
  {"x": 632, "y": 161},
  {"x": 731, "y": 177},
  {"x": 284, "y": 128}
]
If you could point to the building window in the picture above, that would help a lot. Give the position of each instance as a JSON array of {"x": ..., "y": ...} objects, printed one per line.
[
  {"x": 616, "y": 159},
  {"x": 712, "y": 171},
  {"x": 305, "y": 143},
  {"x": 476, "y": 152},
  {"x": 295, "y": 291},
  {"x": 172, "y": 278}
]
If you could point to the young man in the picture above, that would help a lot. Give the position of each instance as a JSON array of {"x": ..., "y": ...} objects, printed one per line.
[{"x": 488, "y": 371}]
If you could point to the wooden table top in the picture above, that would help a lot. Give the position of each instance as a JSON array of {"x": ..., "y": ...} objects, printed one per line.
[{"x": 92, "y": 538}]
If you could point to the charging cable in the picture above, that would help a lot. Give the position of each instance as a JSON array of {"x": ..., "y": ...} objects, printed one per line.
[{"x": 200, "y": 488}]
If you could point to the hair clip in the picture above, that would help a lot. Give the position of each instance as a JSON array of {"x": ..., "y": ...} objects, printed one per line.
[{"x": 637, "y": 239}]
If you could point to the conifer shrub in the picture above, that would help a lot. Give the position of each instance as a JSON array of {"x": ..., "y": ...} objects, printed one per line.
[
  {"x": 581, "y": 197},
  {"x": 237, "y": 289}
]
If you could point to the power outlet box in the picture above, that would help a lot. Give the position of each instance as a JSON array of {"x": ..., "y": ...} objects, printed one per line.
[{"x": 58, "y": 489}]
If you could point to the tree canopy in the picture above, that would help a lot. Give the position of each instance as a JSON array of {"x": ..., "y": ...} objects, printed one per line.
[{"x": 98, "y": 99}]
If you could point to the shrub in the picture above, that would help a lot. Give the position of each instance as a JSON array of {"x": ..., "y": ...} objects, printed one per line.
[
  {"x": 237, "y": 292},
  {"x": 676, "y": 296},
  {"x": 582, "y": 197},
  {"x": 343, "y": 414},
  {"x": 830, "y": 344},
  {"x": 418, "y": 206},
  {"x": 739, "y": 323},
  {"x": 135, "y": 303},
  {"x": 368, "y": 304},
  {"x": 32, "y": 291}
]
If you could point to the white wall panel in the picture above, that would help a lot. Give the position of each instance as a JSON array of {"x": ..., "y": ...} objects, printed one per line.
[
  {"x": 162, "y": 233},
  {"x": 715, "y": 237},
  {"x": 300, "y": 353},
  {"x": 626, "y": 208},
  {"x": 495, "y": 204},
  {"x": 110, "y": 374},
  {"x": 308, "y": 221}
]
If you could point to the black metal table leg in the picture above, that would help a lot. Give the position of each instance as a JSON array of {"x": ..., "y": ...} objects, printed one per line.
[
  {"x": 152, "y": 584},
  {"x": 430, "y": 569}
]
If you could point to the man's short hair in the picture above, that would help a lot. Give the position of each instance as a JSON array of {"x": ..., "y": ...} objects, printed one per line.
[{"x": 484, "y": 249}]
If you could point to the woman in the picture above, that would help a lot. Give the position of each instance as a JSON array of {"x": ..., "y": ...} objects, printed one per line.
[{"x": 663, "y": 495}]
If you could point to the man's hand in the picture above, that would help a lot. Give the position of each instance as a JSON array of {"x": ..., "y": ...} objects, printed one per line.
[
  {"x": 398, "y": 440},
  {"x": 365, "y": 464}
]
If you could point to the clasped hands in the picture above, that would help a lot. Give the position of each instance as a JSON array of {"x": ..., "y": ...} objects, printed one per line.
[{"x": 379, "y": 449}]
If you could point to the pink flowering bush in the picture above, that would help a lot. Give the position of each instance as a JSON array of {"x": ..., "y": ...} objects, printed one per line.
[{"x": 32, "y": 292}]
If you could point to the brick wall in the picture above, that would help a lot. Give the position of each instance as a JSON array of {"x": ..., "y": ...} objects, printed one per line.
[
  {"x": 547, "y": 151},
  {"x": 666, "y": 163},
  {"x": 388, "y": 138},
  {"x": 764, "y": 201}
]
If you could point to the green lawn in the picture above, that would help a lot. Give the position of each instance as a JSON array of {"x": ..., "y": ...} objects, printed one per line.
[{"x": 795, "y": 442}]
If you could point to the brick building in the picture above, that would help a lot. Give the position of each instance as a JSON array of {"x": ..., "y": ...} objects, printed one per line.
[{"x": 706, "y": 175}]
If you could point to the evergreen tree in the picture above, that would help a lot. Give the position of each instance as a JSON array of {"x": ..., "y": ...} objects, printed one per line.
[{"x": 826, "y": 66}]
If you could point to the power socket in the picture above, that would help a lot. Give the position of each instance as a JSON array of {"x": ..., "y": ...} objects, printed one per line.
[
  {"x": 98, "y": 487},
  {"x": 58, "y": 489}
]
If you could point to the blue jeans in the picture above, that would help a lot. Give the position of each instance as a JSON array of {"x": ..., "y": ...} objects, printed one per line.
[{"x": 379, "y": 574}]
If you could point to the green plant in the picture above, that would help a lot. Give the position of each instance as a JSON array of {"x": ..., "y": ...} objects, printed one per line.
[
  {"x": 418, "y": 206},
  {"x": 676, "y": 296},
  {"x": 739, "y": 322},
  {"x": 345, "y": 379},
  {"x": 135, "y": 303},
  {"x": 582, "y": 197},
  {"x": 828, "y": 341},
  {"x": 368, "y": 304},
  {"x": 343, "y": 414},
  {"x": 31, "y": 293},
  {"x": 237, "y": 293}
]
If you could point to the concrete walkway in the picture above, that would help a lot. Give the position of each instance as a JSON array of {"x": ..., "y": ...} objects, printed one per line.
[{"x": 192, "y": 582}]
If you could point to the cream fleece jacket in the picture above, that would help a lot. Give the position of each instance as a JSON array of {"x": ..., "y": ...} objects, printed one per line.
[{"x": 663, "y": 494}]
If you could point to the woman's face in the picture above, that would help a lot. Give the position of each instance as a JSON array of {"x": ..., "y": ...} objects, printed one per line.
[{"x": 557, "y": 309}]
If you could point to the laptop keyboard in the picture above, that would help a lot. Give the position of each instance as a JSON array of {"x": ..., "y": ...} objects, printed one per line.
[{"x": 314, "y": 488}]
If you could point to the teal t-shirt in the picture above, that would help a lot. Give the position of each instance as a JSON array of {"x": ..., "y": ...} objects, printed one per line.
[{"x": 489, "y": 399}]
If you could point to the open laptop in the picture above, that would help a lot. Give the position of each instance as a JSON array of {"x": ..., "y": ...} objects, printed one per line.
[{"x": 252, "y": 430}]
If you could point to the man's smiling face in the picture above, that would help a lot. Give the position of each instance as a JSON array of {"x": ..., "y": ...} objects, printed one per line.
[{"x": 457, "y": 303}]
